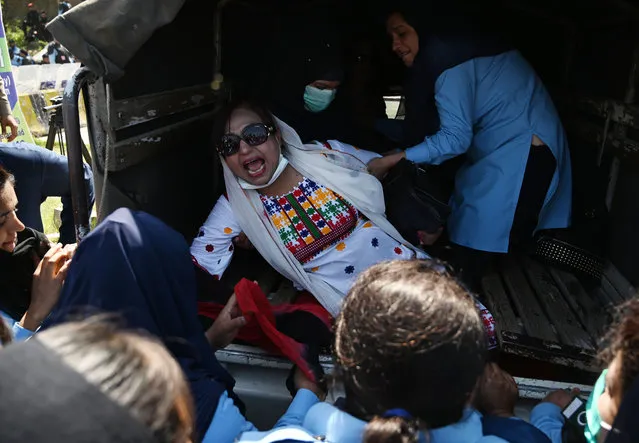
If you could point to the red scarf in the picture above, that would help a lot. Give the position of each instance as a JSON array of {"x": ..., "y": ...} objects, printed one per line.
[{"x": 261, "y": 329}]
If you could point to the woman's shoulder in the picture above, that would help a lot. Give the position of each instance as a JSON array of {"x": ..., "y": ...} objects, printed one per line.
[
  {"x": 491, "y": 439},
  {"x": 468, "y": 429},
  {"x": 288, "y": 434},
  {"x": 332, "y": 424}
]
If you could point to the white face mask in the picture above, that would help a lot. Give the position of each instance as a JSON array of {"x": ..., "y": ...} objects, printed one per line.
[{"x": 280, "y": 168}]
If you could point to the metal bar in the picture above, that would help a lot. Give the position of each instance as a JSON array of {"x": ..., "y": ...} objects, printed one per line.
[
  {"x": 624, "y": 148},
  {"x": 536, "y": 389},
  {"x": 71, "y": 113},
  {"x": 620, "y": 130},
  {"x": 259, "y": 359},
  {"x": 616, "y": 111},
  {"x": 218, "y": 79}
]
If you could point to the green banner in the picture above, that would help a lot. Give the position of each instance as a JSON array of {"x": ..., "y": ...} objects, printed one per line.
[{"x": 24, "y": 134}]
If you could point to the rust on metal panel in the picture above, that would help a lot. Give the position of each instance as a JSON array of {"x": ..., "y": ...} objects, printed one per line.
[
  {"x": 621, "y": 113},
  {"x": 622, "y": 147},
  {"x": 132, "y": 151},
  {"x": 146, "y": 108}
]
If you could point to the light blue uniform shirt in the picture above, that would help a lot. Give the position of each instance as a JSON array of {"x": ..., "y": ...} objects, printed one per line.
[
  {"x": 334, "y": 425},
  {"x": 309, "y": 420},
  {"x": 490, "y": 108},
  {"x": 547, "y": 417},
  {"x": 229, "y": 425},
  {"x": 18, "y": 332}
]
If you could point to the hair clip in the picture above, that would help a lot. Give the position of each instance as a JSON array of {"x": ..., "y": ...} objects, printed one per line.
[{"x": 398, "y": 412}]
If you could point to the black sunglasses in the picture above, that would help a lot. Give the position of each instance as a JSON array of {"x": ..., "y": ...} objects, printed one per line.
[{"x": 253, "y": 135}]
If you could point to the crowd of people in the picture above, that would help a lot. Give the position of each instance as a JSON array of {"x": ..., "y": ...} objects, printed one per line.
[
  {"x": 409, "y": 348},
  {"x": 34, "y": 24},
  {"x": 411, "y": 340},
  {"x": 34, "y": 28},
  {"x": 54, "y": 54}
]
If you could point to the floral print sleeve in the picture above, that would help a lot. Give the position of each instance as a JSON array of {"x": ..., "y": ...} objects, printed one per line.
[{"x": 212, "y": 249}]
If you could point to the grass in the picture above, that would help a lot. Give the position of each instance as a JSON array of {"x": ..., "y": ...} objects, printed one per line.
[{"x": 47, "y": 208}]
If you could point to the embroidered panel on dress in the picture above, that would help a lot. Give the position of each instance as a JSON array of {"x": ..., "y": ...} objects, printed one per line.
[{"x": 310, "y": 219}]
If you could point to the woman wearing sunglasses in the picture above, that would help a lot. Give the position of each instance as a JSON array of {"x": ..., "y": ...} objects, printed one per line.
[{"x": 312, "y": 211}]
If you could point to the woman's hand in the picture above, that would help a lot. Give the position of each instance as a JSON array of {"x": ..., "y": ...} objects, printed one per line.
[
  {"x": 226, "y": 325},
  {"x": 427, "y": 238},
  {"x": 561, "y": 397},
  {"x": 10, "y": 123},
  {"x": 496, "y": 392},
  {"x": 71, "y": 248},
  {"x": 302, "y": 382},
  {"x": 379, "y": 167},
  {"x": 46, "y": 287},
  {"x": 242, "y": 241}
]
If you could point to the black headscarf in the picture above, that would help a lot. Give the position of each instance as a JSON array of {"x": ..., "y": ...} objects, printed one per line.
[
  {"x": 44, "y": 400},
  {"x": 134, "y": 265},
  {"x": 306, "y": 47},
  {"x": 16, "y": 272},
  {"x": 447, "y": 38},
  {"x": 625, "y": 429}
]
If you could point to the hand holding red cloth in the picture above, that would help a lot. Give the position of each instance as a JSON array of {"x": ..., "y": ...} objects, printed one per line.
[{"x": 261, "y": 328}]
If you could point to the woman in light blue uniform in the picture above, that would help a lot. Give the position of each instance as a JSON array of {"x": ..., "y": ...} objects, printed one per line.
[
  {"x": 409, "y": 350},
  {"x": 475, "y": 96}
]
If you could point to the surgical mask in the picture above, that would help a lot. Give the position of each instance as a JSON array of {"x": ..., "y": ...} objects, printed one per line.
[
  {"x": 594, "y": 421},
  {"x": 280, "y": 168},
  {"x": 317, "y": 100}
]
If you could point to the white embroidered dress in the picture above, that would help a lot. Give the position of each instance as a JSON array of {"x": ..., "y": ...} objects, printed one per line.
[
  {"x": 336, "y": 189},
  {"x": 327, "y": 235}
]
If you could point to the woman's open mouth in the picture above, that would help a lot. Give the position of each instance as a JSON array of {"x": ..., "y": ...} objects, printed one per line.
[
  {"x": 255, "y": 167},
  {"x": 403, "y": 55}
]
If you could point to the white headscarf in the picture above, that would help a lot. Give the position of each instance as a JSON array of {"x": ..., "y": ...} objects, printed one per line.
[{"x": 340, "y": 172}]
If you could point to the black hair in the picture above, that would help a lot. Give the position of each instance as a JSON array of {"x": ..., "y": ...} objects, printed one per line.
[
  {"x": 132, "y": 369},
  {"x": 437, "y": 17},
  {"x": 222, "y": 117},
  {"x": 409, "y": 336},
  {"x": 623, "y": 339},
  {"x": 5, "y": 334},
  {"x": 6, "y": 177}
]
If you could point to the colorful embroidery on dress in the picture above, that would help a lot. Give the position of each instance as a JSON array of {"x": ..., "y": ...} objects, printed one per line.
[{"x": 310, "y": 219}]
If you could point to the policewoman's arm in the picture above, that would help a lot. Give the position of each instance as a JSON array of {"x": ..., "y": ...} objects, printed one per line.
[{"x": 454, "y": 96}]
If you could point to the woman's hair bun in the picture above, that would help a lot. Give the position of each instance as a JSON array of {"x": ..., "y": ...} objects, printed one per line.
[{"x": 391, "y": 430}]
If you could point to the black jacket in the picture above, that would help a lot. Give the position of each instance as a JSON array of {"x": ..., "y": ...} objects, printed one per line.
[{"x": 16, "y": 272}]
